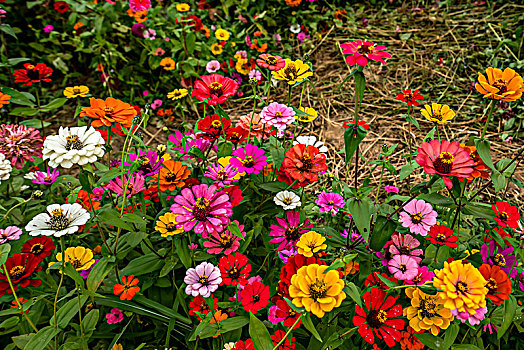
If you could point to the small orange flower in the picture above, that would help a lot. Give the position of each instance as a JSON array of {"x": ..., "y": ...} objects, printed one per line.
[
  {"x": 504, "y": 85},
  {"x": 109, "y": 112},
  {"x": 141, "y": 16},
  {"x": 217, "y": 317},
  {"x": 4, "y": 99},
  {"x": 85, "y": 199},
  {"x": 78, "y": 25},
  {"x": 171, "y": 175},
  {"x": 479, "y": 168},
  {"x": 131, "y": 12},
  {"x": 128, "y": 289},
  {"x": 293, "y": 3},
  {"x": 99, "y": 67},
  {"x": 352, "y": 268},
  {"x": 168, "y": 63}
]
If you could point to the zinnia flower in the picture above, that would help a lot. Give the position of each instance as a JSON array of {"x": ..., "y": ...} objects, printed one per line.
[
  {"x": 479, "y": 167},
  {"x": 405, "y": 245},
  {"x": 287, "y": 200},
  {"x": 85, "y": 273},
  {"x": 150, "y": 162},
  {"x": 5, "y": 99},
  {"x": 499, "y": 285},
  {"x": 506, "y": 215},
  {"x": 410, "y": 97},
  {"x": 128, "y": 288},
  {"x": 199, "y": 305},
  {"x": 254, "y": 297},
  {"x": 224, "y": 242},
  {"x": 504, "y": 85},
  {"x": 131, "y": 184},
  {"x": 409, "y": 341},
  {"x": 46, "y": 178},
  {"x": 423, "y": 275},
  {"x": 184, "y": 142},
  {"x": 312, "y": 115},
  {"x": 391, "y": 189},
  {"x": 109, "y": 112},
  {"x": 427, "y": 312},
  {"x": 10, "y": 233},
  {"x": 167, "y": 226},
  {"x": 172, "y": 175},
  {"x": 254, "y": 123},
  {"x": 33, "y": 74},
  {"x": 442, "y": 235},
  {"x": 41, "y": 247},
  {"x": 418, "y": 216},
  {"x": 282, "y": 312},
  {"x": 293, "y": 264},
  {"x": 140, "y": 5},
  {"x": 437, "y": 113},
  {"x": 310, "y": 243},
  {"x": 20, "y": 143},
  {"x": 445, "y": 159},
  {"x": 289, "y": 230},
  {"x": 271, "y": 62},
  {"x": 62, "y": 219},
  {"x": 76, "y": 91},
  {"x": 212, "y": 66},
  {"x": 473, "y": 318},
  {"x": 330, "y": 202},
  {"x": 202, "y": 280},
  {"x": 287, "y": 344},
  {"x": 360, "y": 52},
  {"x": 223, "y": 172},
  {"x": 177, "y": 94},
  {"x": 20, "y": 267},
  {"x": 234, "y": 269},
  {"x": 293, "y": 72},
  {"x": 222, "y": 34},
  {"x": 215, "y": 88},
  {"x": 316, "y": 291},
  {"x": 81, "y": 258},
  {"x": 114, "y": 316},
  {"x": 277, "y": 115},
  {"x": 302, "y": 163},
  {"x": 503, "y": 257},
  {"x": 213, "y": 126},
  {"x": 249, "y": 159},
  {"x": 403, "y": 267}
]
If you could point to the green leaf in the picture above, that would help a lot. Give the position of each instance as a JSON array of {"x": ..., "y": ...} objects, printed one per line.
[
  {"x": 354, "y": 293},
  {"x": 66, "y": 313},
  {"x": 437, "y": 199},
  {"x": 19, "y": 98},
  {"x": 230, "y": 324},
  {"x": 306, "y": 320},
  {"x": 407, "y": 169},
  {"x": 99, "y": 272},
  {"x": 109, "y": 175},
  {"x": 70, "y": 271},
  {"x": 352, "y": 138},
  {"x": 465, "y": 347},
  {"x": 56, "y": 103},
  {"x": 430, "y": 135},
  {"x": 413, "y": 121},
  {"x": 293, "y": 306},
  {"x": 336, "y": 264},
  {"x": 183, "y": 253},
  {"x": 386, "y": 281},
  {"x": 360, "y": 210},
  {"x": 503, "y": 163},
  {"x": 90, "y": 320},
  {"x": 499, "y": 181},
  {"x": 42, "y": 338},
  {"x": 6, "y": 28},
  {"x": 4, "y": 253},
  {"x": 112, "y": 217},
  {"x": 405, "y": 36},
  {"x": 259, "y": 333},
  {"x": 431, "y": 341},
  {"x": 204, "y": 330},
  {"x": 479, "y": 210},
  {"x": 510, "y": 307},
  {"x": 275, "y": 186},
  {"x": 190, "y": 42},
  {"x": 233, "y": 228},
  {"x": 483, "y": 150},
  {"x": 142, "y": 265},
  {"x": 360, "y": 84},
  {"x": 26, "y": 112},
  {"x": 382, "y": 232},
  {"x": 450, "y": 335}
]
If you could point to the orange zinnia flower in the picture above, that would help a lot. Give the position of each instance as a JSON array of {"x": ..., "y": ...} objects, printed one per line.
[
  {"x": 168, "y": 63},
  {"x": 409, "y": 341},
  {"x": 171, "y": 175},
  {"x": 217, "y": 317},
  {"x": 128, "y": 289},
  {"x": 109, "y": 112},
  {"x": 479, "y": 168},
  {"x": 504, "y": 85},
  {"x": 4, "y": 99},
  {"x": 499, "y": 285}
]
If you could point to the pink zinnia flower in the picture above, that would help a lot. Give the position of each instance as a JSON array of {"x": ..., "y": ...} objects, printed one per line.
[
  {"x": 135, "y": 184},
  {"x": 445, "y": 159},
  {"x": 289, "y": 230},
  {"x": 222, "y": 175},
  {"x": 202, "y": 280},
  {"x": 249, "y": 159},
  {"x": 48, "y": 28},
  {"x": 391, "y": 189},
  {"x": 140, "y": 5},
  {"x": 403, "y": 267},
  {"x": 46, "y": 178},
  {"x": 423, "y": 275},
  {"x": 405, "y": 245},
  {"x": 285, "y": 254},
  {"x": 330, "y": 202},
  {"x": 212, "y": 66},
  {"x": 272, "y": 315},
  {"x": 203, "y": 209},
  {"x": 156, "y": 104},
  {"x": 10, "y": 233},
  {"x": 360, "y": 52},
  {"x": 277, "y": 115},
  {"x": 98, "y": 193},
  {"x": 255, "y": 74},
  {"x": 474, "y": 319},
  {"x": 150, "y": 34},
  {"x": 419, "y": 216},
  {"x": 149, "y": 162},
  {"x": 115, "y": 316},
  {"x": 271, "y": 62},
  {"x": 184, "y": 142},
  {"x": 20, "y": 143},
  {"x": 224, "y": 242},
  {"x": 214, "y": 88},
  {"x": 159, "y": 52}
]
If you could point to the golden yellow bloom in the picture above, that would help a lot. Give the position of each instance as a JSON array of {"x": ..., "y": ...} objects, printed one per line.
[
  {"x": 168, "y": 63},
  {"x": 183, "y": 7},
  {"x": 81, "y": 258},
  {"x": 76, "y": 91},
  {"x": 352, "y": 268},
  {"x": 293, "y": 72},
  {"x": 438, "y": 113},
  {"x": 222, "y": 34},
  {"x": 427, "y": 312},
  {"x": 242, "y": 67},
  {"x": 310, "y": 243},
  {"x": 462, "y": 285},
  {"x": 117, "y": 347},
  {"x": 315, "y": 291},
  {"x": 307, "y": 119},
  {"x": 504, "y": 85},
  {"x": 216, "y": 49},
  {"x": 166, "y": 225},
  {"x": 177, "y": 94}
]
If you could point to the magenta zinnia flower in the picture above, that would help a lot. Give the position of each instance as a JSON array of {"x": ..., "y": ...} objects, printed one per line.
[
  {"x": 10, "y": 233},
  {"x": 135, "y": 184},
  {"x": 224, "y": 241},
  {"x": 140, "y": 5},
  {"x": 149, "y": 161},
  {"x": 405, "y": 245},
  {"x": 360, "y": 52},
  {"x": 222, "y": 175},
  {"x": 330, "y": 202},
  {"x": 403, "y": 267},
  {"x": 20, "y": 144},
  {"x": 419, "y": 216},
  {"x": 423, "y": 275},
  {"x": 504, "y": 258},
  {"x": 202, "y": 280},
  {"x": 277, "y": 115},
  {"x": 46, "y": 178},
  {"x": 289, "y": 231},
  {"x": 445, "y": 159},
  {"x": 249, "y": 159},
  {"x": 203, "y": 209},
  {"x": 184, "y": 142},
  {"x": 114, "y": 316}
]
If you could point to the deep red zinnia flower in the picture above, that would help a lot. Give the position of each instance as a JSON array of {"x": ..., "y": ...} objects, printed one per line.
[
  {"x": 33, "y": 74},
  {"x": 41, "y": 247},
  {"x": 234, "y": 269},
  {"x": 379, "y": 318},
  {"x": 302, "y": 163},
  {"x": 211, "y": 126},
  {"x": 442, "y": 235},
  {"x": 236, "y": 135},
  {"x": 410, "y": 97},
  {"x": 286, "y": 312},
  {"x": 193, "y": 21},
  {"x": 374, "y": 280},
  {"x": 214, "y": 88},
  {"x": 244, "y": 345},
  {"x": 506, "y": 214},
  {"x": 255, "y": 296},
  {"x": 498, "y": 284},
  {"x": 291, "y": 267},
  {"x": 199, "y": 305},
  {"x": 20, "y": 267},
  {"x": 286, "y": 344},
  {"x": 361, "y": 123},
  {"x": 61, "y": 6},
  {"x": 503, "y": 234}
]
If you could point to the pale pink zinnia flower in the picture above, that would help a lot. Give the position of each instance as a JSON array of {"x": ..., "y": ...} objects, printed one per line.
[
  {"x": 403, "y": 267},
  {"x": 360, "y": 52},
  {"x": 115, "y": 316},
  {"x": 212, "y": 66},
  {"x": 140, "y": 5},
  {"x": 224, "y": 242},
  {"x": 474, "y": 319},
  {"x": 330, "y": 202},
  {"x": 278, "y": 115},
  {"x": 20, "y": 143},
  {"x": 133, "y": 184},
  {"x": 419, "y": 216},
  {"x": 202, "y": 280},
  {"x": 10, "y": 233},
  {"x": 405, "y": 245}
]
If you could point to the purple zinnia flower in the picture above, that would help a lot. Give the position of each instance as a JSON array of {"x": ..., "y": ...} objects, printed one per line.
[
  {"x": 150, "y": 162},
  {"x": 203, "y": 209},
  {"x": 330, "y": 202},
  {"x": 277, "y": 115},
  {"x": 285, "y": 254},
  {"x": 222, "y": 172},
  {"x": 48, "y": 28},
  {"x": 10, "y": 233},
  {"x": 419, "y": 216},
  {"x": 405, "y": 245},
  {"x": 474, "y": 319},
  {"x": 289, "y": 231},
  {"x": 202, "y": 280},
  {"x": 496, "y": 256},
  {"x": 46, "y": 178},
  {"x": 85, "y": 273},
  {"x": 249, "y": 159},
  {"x": 138, "y": 30},
  {"x": 183, "y": 142},
  {"x": 391, "y": 189},
  {"x": 403, "y": 267}
]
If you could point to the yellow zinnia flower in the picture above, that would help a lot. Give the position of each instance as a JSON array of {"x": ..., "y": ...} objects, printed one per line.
[
  {"x": 504, "y": 85},
  {"x": 462, "y": 285},
  {"x": 438, "y": 113},
  {"x": 177, "y": 94},
  {"x": 76, "y": 91},
  {"x": 315, "y": 291},
  {"x": 216, "y": 49},
  {"x": 166, "y": 225},
  {"x": 242, "y": 67},
  {"x": 183, "y": 7},
  {"x": 427, "y": 312},
  {"x": 310, "y": 243},
  {"x": 222, "y": 35},
  {"x": 307, "y": 119},
  {"x": 81, "y": 258},
  {"x": 293, "y": 72}
]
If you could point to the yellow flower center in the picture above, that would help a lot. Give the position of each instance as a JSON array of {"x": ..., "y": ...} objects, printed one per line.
[
  {"x": 203, "y": 279},
  {"x": 501, "y": 85},
  {"x": 215, "y": 87},
  {"x": 287, "y": 200},
  {"x": 278, "y": 113},
  {"x": 73, "y": 142},
  {"x": 499, "y": 260},
  {"x": 225, "y": 240},
  {"x": 16, "y": 272},
  {"x": 271, "y": 60},
  {"x": 416, "y": 218},
  {"x": 504, "y": 216},
  {"x": 248, "y": 162},
  {"x": 491, "y": 286},
  {"x": 37, "y": 249},
  {"x": 365, "y": 49},
  {"x": 317, "y": 290},
  {"x": 402, "y": 267},
  {"x": 428, "y": 307},
  {"x": 76, "y": 90}
]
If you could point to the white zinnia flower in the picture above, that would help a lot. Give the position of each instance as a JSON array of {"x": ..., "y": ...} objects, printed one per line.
[
  {"x": 31, "y": 176},
  {"x": 62, "y": 219},
  {"x": 78, "y": 145},
  {"x": 5, "y": 168},
  {"x": 287, "y": 200},
  {"x": 229, "y": 346},
  {"x": 294, "y": 28},
  {"x": 311, "y": 141}
]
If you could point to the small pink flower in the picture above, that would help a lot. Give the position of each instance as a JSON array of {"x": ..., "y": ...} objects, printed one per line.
[
  {"x": 255, "y": 74},
  {"x": 202, "y": 280},
  {"x": 277, "y": 115},
  {"x": 46, "y": 178},
  {"x": 115, "y": 316},
  {"x": 391, "y": 189},
  {"x": 156, "y": 104},
  {"x": 98, "y": 193},
  {"x": 423, "y": 275},
  {"x": 272, "y": 315},
  {"x": 192, "y": 246},
  {"x": 150, "y": 34},
  {"x": 419, "y": 216},
  {"x": 48, "y": 28},
  {"x": 403, "y": 267},
  {"x": 330, "y": 202},
  {"x": 10, "y": 233},
  {"x": 140, "y": 5},
  {"x": 145, "y": 93},
  {"x": 360, "y": 52},
  {"x": 224, "y": 242},
  {"x": 212, "y": 66},
  {"x": 474, "y": 319},
  {"x": 159, "y": 52}
]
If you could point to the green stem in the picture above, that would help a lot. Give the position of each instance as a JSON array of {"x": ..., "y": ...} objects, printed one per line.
[
  {"x": 288, "y": 331},
  {"x": 379, "y": 183},
  {"x": 301, "y": 94},
  {"x": 488, "y": 120},
  {"x": 62, "y": 247},
  {"x": 289, "y": 94}
]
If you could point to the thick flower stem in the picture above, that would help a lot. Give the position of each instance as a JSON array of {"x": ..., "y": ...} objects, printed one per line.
[
  {"x": 490, "y": 114},
  {"x": 253, "y": 114},
  {"x": 288, "y": 331},
  {"x": 62, "y": 247}
]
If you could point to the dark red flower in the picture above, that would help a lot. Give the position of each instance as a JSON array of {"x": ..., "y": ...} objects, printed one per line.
[
  {"x": 501, "y": 233},
  {"x": 20, "y": 267},
  {"x": 236, "y": 135},
  {"x": 21, "y": 301},
  {"x": 235, "y": 195},
  {"x": 61, "y": 6},
  {"x": 244, "y": 345},
  {"x": 283, "y": 310},
  {"x": 41, "y": 247},
  {"x": 203, "y": 5},
  {"x": 303, "y": 164},
  {"x": 255, "y": 296},
  {"x": 33, "y": 74},
  {"x": 211, "y": 126},
  {"x": 193, "y": 21},
  {"x": 442, "y": 235},
  {"x": 289, "y": 269},
  {"x": 506, "y": 214},
  {"x": 379, "y": 318},
  {"x": 234, "y": 269},
  {"x": 286, "y": 344},
  {"x": 373, "y": 280},
  {"x": 190, "y": 182},
  {"x": 199, "y": 305},
  {"x": 360, "y": 123},
  {"x": 214, "y": 88},
  {"x": 411, "y": 97}
]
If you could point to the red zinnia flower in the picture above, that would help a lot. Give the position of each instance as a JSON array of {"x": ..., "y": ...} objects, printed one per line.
[
  {"x": 503, "y": 234},
  {"x": 235, "y": 195},
  {"x": 506, "y": 214},
  {"x": 379, "y": 317},
  {"x": 236, "y": 135},
  {"x": 445, "y": 159},
  {"x": 21, "y": 301},
  {"x": 302, "y": 163},
  {"x": 20, "y": 267},
  {"x": 234, "y": 268},
  {"x": 244, "y": 345},
  {"x": 286, "y": 344},
  {"x": 442, "y": 235},
  {"x": 41, "y": 247},
  {"x": 499, "y": 285},
  {"x": 128, "y": 288},
  {"x": 286, "y": 312},
  {"x": 361, "y": 123},
  {"x": 291, "y": 267},
  {"x": 193, "y": 21},
  {"x": 199, "y": 305},
  {"x": 255, "y": 296},
  {"x": 374, "y": 280},
  {"x": 211, "y": 126},
  {"x": 61, "y": 6},
  {"x": 215, "y": 88},
  {"x": 411, "y": 97},
  {"x": 33, "y": 74}
]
